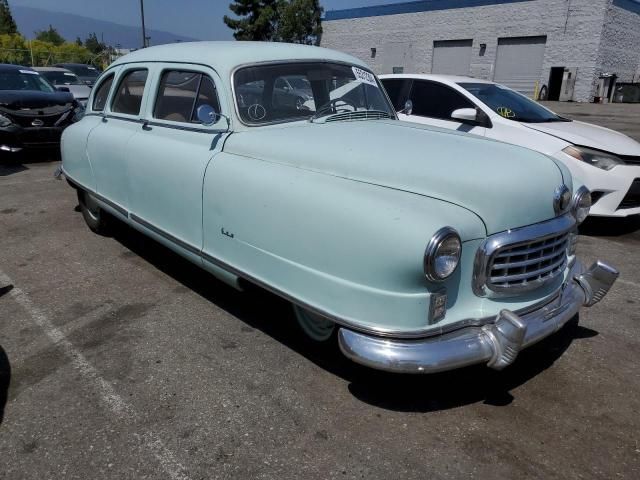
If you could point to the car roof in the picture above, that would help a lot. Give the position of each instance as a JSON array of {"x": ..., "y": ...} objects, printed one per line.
[
  {"x": 72, "y": 65},
  {"x": 51, "y": 69},
  {"x": 224, "y": 57},
  {"x": 9, "y": 67},
  {"x": 437, "y": 77}
]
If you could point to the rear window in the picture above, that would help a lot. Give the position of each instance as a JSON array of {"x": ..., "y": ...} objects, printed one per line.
[
  {"x": 102, "y": 93},
  {"x": 128, "y": 97}
]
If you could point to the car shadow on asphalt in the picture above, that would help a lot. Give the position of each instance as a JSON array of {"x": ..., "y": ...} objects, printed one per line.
[
  {"x": 5, "y": 380},
  {"x": 272, "y": 315},
  {"x": 609, "y": 226}
]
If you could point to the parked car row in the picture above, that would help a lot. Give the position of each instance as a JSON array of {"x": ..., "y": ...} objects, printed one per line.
[
  {"x": 418, "y": 249},
  {"x": 33, "y": 112}
]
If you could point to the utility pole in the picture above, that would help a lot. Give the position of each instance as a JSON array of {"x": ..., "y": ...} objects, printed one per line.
[{"x": 144, "y": 33}]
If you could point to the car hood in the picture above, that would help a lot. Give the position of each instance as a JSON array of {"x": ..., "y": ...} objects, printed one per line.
[
  {"x": 505, "y": 185},
  {"x": 589, "y": 135},
  {"x": 79, "y": 91},
  {"x": 32, "y": 100}
]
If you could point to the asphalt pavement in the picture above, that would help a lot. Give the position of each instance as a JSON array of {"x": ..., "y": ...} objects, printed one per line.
[{"x": 118, "y": 359}]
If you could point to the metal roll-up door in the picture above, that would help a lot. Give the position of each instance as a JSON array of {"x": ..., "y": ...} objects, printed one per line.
[
  {"x": 451, "y": 57},
  {"x": 519, "y": 62}
]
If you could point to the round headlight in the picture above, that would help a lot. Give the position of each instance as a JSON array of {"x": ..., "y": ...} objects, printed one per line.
[
  {"x": 581, "y": 204},
  {"x": 442, "y": 255}
]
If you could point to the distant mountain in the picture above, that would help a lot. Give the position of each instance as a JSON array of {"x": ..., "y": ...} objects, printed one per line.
[{"x": 71, "y": 26}]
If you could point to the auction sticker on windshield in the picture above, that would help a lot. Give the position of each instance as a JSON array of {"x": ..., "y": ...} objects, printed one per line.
[{"x": 364, "y": 76}]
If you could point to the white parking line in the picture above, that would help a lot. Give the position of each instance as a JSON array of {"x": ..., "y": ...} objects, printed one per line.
[{"x": 114, "y": 402}]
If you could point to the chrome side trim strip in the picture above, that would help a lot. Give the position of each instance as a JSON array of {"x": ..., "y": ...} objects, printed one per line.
[
  {"x": 167, "y": 236},
  {"x": 81, "y": 186}
]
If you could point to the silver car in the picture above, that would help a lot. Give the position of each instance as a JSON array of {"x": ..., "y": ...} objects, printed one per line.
[{"x": 64, "y": 80}]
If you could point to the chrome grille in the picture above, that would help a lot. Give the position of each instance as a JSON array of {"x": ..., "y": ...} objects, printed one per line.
[
  {"x": 522, "y": 259},
  {"x": 528, "y": 265}
]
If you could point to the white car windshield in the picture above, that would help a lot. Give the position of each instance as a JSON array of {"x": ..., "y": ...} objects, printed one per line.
[
  {"x": 511, "y": 104},
  {"x": 304, "y": 90}
]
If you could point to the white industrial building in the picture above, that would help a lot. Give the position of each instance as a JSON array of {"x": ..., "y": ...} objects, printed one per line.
[{"x": 577, "y": 49}]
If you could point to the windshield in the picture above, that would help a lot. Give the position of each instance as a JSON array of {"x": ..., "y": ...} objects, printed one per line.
[
  {"x": 62, "y": 78},
  {"x": 510, "y": 104},
  {"x": 24, "y": 80},
  {"x": 294, "y": 91}
]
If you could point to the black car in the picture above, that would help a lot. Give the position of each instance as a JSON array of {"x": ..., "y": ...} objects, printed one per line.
[
  {"x": 86, "y": 73},
  {"x": 33, "y": 113}
]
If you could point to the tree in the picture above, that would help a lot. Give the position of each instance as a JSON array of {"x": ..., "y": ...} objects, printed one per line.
[
  {"x": 7, "y": 23},
  {"x": 300, "y": 22},
  {"x": 93, "y": 45},
  {"x": 78, "y": 41},
  {"x": 257, "y": 19},
  {"x": 51, "y": 36}
]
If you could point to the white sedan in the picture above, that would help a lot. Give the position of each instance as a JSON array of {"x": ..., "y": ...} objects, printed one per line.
[{"x": 607, "y": 162}]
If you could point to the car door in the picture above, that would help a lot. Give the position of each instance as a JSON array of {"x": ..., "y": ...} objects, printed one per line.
[
  {"x": 108, "y": 142},
  {"x": 170, "y": 152},
  {"x": 433, "y": 104}
]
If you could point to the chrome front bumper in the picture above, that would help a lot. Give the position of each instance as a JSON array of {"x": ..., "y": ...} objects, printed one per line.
[{"x": 497, "y": 344}]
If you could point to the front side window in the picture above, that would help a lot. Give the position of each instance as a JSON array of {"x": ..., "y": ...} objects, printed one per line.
[
  {"x": 435, "y": 100},
  {"x": 299, "y": 91},
  {"x": 19, "y": 79},
  {"x": 510, "y": 104},
  {"x": 397, "y": 89},
  {"x": 128, "y": 97},
  {"x": 181, "y": 93},
  {"x": 102, "y": 93}
]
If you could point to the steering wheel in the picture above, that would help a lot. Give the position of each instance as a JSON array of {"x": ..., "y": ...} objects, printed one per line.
[{"x": 334, "y": 104}]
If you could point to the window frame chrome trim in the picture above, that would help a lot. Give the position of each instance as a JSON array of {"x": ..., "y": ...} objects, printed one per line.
[{"x": 537, "y": 232}]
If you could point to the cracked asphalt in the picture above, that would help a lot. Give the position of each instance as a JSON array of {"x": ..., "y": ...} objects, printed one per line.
[{"x": 118, "y": 359}]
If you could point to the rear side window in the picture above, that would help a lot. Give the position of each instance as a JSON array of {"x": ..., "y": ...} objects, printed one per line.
[
  {"x": 436, "y": 101},
  {"x": 181, "y": 93},
  {"x": 128, "y": 98},
  {"x": 101, "y": 95}
]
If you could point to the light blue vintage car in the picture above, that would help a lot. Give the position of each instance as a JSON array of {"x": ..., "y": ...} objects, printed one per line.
[{"x": 420, "y": 249}]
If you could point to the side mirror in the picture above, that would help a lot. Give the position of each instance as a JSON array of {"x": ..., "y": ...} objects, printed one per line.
[
  {"x": 465, "y": 115},
  {"x": 408, "y": 108},
  {"x": 63, "y": 89},
  {"x": 208, "y": 116}
]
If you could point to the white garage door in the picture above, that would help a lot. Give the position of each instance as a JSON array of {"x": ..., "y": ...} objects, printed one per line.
[
  {"x": 519, "y": 62},
  {"x": 451, "y": 57}
]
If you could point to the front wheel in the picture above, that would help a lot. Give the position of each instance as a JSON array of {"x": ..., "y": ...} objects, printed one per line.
[
  {"x": 316, "y": 327},
  {"x": 95, "y": 217}
]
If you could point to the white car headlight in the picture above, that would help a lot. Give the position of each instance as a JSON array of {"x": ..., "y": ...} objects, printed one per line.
[
  {"x": 5, "y": 121},
  {"x": 581, "y": 204},
  {"x": 442, "y": 255},
  {"x": 597, "y": 158}
]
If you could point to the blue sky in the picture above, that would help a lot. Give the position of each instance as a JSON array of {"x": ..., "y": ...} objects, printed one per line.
[{"x": 193, "y": 18}]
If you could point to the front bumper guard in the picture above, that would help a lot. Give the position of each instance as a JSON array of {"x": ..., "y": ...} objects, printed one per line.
[{"x": 496, "y": 344}]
